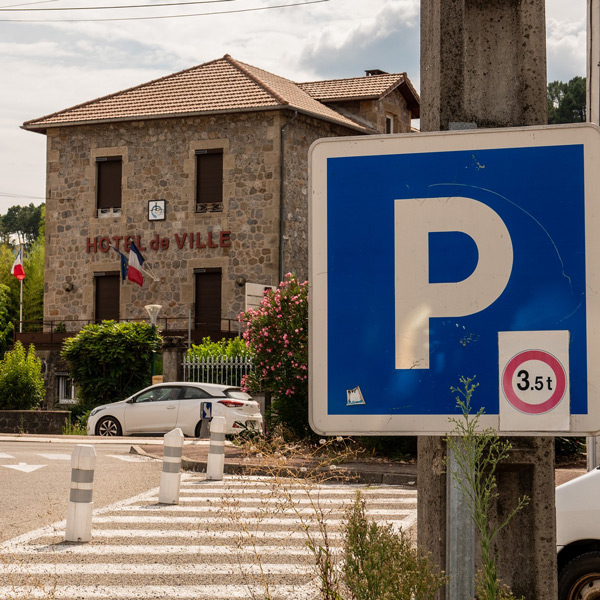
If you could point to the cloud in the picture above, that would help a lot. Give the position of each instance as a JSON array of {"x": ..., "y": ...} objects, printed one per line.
[
  {"x": 566, "y": 48},
  {"x": 36, "y": 50},
  {"x": 31, "y": 90},
  {"x": 388, "y": 41},
  {"x": 49, "y": 67}
]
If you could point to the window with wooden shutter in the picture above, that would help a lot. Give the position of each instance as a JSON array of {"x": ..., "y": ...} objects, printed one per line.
[
  {"x": 208, "y": 301},
  {"x": 108, "y": 185},
  {"x": 209, "y": 180},
  {"x": 107, "y": 290}
]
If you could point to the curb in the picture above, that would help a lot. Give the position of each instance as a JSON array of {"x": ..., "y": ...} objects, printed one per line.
[{"x": 337, "y": 474}]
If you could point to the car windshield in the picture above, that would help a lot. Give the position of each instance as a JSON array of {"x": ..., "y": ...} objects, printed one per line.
[{"x": 237, "y": 394}]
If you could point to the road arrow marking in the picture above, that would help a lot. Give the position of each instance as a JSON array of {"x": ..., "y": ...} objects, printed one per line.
[{"x": 24, "y": 467}]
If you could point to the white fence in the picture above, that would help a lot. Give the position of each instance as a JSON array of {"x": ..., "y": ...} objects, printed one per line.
[{"x": 217, "y": 369}]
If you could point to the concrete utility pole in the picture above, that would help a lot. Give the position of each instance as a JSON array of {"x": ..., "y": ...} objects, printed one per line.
[{"x": 483, "y": 64}]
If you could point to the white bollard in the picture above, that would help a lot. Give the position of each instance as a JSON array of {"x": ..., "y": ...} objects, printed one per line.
[
  {"x": 216, "y": 450},
  {"x": 170, "y": 478},
  {"x": 79, "y": 512}
]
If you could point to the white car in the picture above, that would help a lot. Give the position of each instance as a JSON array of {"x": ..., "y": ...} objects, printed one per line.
[
  {"x": 578, "y": 537},
  {"x": 163, "y": 407}
]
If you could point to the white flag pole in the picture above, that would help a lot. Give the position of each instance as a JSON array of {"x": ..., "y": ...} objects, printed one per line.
[
  {"x": 21, "y": 293},
  {"x": 21, "y": 310}
]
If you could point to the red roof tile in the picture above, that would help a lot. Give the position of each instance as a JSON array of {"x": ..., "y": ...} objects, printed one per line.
[
  {"x": 354, "y": 88},
  {"x": 222, "y": 85},
  {"x": 363, "y": 88}
]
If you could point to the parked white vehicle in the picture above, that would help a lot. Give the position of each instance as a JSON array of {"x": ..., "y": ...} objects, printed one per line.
[
  {"x": 163, "y": 407},
  {"x": 578, "y": 537}
]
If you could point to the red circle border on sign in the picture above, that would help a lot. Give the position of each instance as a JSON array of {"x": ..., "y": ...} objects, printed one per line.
[{"x": 553, "y": 363}]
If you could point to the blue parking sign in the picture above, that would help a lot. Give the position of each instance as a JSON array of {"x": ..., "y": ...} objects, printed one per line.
[{"x": 436, "y": 256}]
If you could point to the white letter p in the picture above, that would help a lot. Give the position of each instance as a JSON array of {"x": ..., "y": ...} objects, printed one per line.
[{"x": 418, "y": 300}]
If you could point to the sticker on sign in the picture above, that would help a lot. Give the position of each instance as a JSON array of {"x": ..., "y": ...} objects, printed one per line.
[{"x": 428, "y": 250}]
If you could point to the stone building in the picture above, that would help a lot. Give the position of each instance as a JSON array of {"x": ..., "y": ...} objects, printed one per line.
[{"x": 206, "y": 170}]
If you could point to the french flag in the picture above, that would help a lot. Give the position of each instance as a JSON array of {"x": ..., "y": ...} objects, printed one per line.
[
  {"x": 17, "y": 269},
  {"x": 136, "y": 260}
]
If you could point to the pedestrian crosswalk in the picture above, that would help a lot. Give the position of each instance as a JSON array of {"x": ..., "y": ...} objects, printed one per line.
[{"x": 244, "y": 537}]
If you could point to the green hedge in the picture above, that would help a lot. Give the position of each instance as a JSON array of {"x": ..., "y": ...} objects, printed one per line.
[{"x": 110, "y": 361}]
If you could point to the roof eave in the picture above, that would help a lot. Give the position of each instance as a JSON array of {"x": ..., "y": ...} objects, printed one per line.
[
  {"x": 349, "y": 98},
  {"x": 413, "y": 101},
  {"x": 43, "y": 128}
]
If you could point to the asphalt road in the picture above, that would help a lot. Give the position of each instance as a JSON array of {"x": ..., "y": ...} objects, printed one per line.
[{"x": 35, "y": 477}]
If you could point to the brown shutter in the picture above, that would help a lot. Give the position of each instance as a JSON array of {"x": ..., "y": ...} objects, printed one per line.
[
  {"x": 108, "y": 183},
  {"x": 208, "y": 300},
  {"x": 209, "y": 176},
  {"x": 107, "y": 290}
]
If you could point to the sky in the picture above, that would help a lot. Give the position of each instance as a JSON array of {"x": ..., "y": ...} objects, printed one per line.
[{"x": 47, "y": 66}]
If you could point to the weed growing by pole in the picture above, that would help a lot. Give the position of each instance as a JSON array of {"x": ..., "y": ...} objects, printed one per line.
[{"x": 478, "y": 454}]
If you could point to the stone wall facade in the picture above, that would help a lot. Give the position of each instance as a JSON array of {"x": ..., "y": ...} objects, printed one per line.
[
  {"x": 373, "y": 113},
  {"x": 159, "y": 163},
  {"x": 299, "y": 136}
]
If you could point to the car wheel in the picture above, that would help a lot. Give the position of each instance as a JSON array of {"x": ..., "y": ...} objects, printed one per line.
[
  {"x": 108, "y": 426},
  {"x": 579, "y": 579}
]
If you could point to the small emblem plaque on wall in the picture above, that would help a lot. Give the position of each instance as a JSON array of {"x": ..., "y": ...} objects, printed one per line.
[{"x": 157, "y": 210}]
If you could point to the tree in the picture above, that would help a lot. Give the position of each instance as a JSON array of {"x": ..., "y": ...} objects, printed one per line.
[
  {"x": 33, "y": 284},
  {"x": 277, "y": 334},
  {"x": 110, "y": 361},
  {"x": 567, "y": 101},
  {"x": 21, "y": 379},
  {"x": 11, "y": 298},
  {"x": 25, "y": 222},
  {"x": 6, "y": 326}
]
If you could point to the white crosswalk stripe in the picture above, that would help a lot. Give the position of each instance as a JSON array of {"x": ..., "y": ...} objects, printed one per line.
[
  {"x": 55, "y": 456},
  {"x": 225, "y": 540}
]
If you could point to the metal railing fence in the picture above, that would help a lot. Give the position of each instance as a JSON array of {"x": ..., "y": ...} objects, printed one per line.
[{"x": 217, "y": 369}]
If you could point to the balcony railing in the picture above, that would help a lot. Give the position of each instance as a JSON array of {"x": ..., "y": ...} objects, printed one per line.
[{"x": 53, "y": 333}]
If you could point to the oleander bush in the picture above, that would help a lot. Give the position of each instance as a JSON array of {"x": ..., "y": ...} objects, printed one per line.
[{"x": 277, "y": 335}]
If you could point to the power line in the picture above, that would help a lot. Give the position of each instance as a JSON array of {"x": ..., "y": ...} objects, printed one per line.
[
  {"x": 222, "y": 12},
  {"x": 30, "y": 3},
  {"x": 12, "y": 9},
  {"x": 22, "y": 196}
]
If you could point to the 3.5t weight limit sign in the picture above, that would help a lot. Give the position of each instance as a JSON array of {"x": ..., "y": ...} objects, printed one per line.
[
  {"x": 534, "y": 382},
  {"x": 436, "y": 256}
]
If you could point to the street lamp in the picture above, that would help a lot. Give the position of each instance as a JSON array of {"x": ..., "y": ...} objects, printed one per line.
[{"x": 153, "y": 310}]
